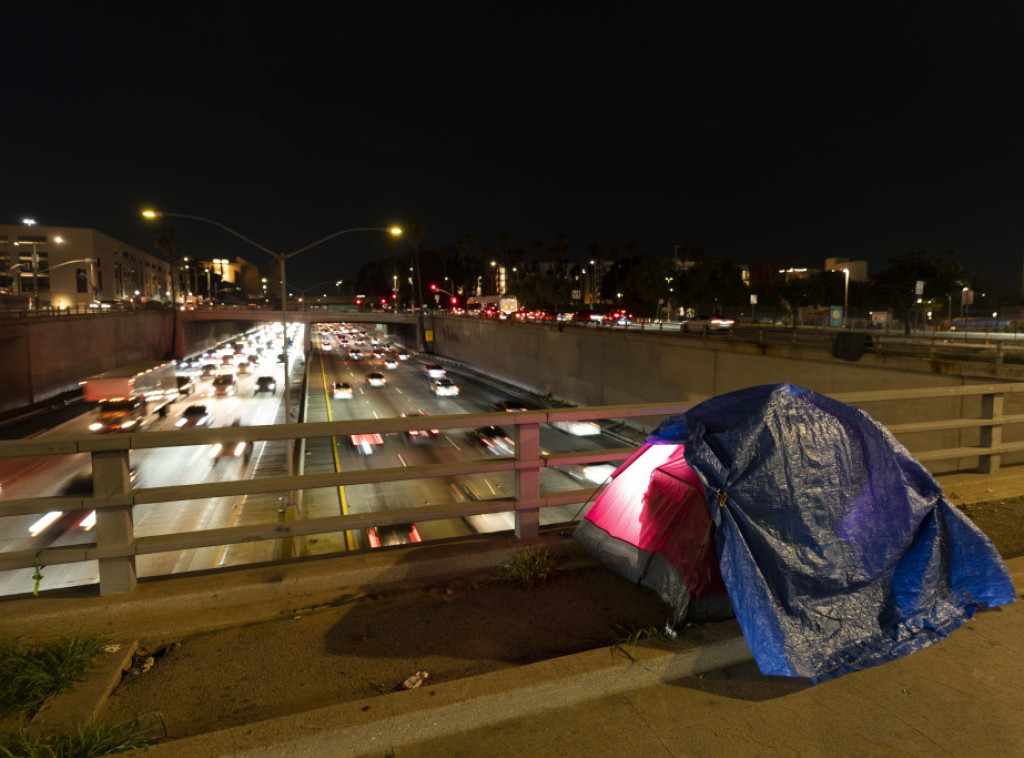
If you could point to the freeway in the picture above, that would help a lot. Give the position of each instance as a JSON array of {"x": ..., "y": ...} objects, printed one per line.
[
  {"x": 150, "y": 468},
  {"x": 407, "y": 391}
]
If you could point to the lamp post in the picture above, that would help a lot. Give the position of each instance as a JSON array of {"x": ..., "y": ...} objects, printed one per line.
[
  {"x": 846, "y": 293},
  {"x": 281, "y": 259},
  {"x": 35, "y": 262},
  {"x": 92, "y": 278}
]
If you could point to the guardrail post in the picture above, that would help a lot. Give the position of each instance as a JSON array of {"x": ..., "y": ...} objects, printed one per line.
[
  {"x": 115, "y": 527},
  {"x": 991, "y": 408},
  {"x": 527, "y": 479}
]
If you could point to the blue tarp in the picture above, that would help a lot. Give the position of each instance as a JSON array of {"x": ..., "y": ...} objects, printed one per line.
[{"x": 837, "y": 547}]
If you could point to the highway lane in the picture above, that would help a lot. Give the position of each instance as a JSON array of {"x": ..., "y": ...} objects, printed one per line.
[
  {"x": 153, "y": 468},
  {"x": 407, "y": 392}
]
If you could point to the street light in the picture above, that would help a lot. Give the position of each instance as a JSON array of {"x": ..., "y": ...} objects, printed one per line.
[
  {"x": 35, "y": 261},
  {"x": 846, "y": 293},
  {"x": 92, "y": 279},
  {"x": 281, "y": 258}
]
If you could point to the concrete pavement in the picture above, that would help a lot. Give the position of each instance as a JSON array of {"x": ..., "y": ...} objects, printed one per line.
[
  {"x": 698, "y": 694},
  {"x": 958, "y": 698}
]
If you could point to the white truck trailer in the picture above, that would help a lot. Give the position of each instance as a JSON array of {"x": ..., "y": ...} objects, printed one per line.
[{"x": 125, "y": 397}]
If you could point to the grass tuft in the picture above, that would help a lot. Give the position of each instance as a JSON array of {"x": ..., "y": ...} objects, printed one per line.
[
  {"x": 85, "y": 742},
  {"x": 529, "y": 567},
  {"x": 633, "y": 636},
  {"x": 30, "y": 675}
]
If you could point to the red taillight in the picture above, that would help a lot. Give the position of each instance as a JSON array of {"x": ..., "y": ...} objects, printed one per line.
[
  {"x": 372, "y": 538},
  {"x": 414, "y": 534}
]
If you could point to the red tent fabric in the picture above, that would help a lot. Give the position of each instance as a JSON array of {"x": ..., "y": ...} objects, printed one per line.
[{"x": 651, "y": 525}]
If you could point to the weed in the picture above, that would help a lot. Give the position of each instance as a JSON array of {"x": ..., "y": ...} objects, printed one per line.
[
  {"x": 633, "y": 636},
  {"x": 85, "y": 742},
  {"x": 38, "y": 575},
  {"x": 529, "y": 567},
  {"x": 30, "y": 675}
]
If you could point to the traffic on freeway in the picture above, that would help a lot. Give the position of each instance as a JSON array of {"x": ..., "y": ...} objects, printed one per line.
[
  {"x": 354, "y": 372},
  {"x": 203, "y": 403},
  {"x": 353, "y": 354}
]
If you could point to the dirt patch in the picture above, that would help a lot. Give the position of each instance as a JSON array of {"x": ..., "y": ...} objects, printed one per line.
[{"x": 369, "y": 646}]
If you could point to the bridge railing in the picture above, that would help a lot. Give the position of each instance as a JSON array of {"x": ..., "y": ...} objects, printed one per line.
[{"x": 116, "y": 545}]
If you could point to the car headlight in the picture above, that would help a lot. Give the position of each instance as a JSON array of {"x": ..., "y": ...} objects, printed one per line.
[
  {"x": 181, "y": 422},
  {"x": 239, "y": 448},
  {"x": 215, "y": 450},
  {"x": 95, "y": 427}
]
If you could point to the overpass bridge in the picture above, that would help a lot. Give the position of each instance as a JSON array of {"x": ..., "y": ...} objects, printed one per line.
[
  {"x": 954, "y": 413},
  {"x": 114, "y": 498}
]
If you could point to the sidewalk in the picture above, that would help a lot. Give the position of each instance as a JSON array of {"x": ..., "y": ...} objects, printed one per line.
[
  {"x": 958, "y": 698},
  {"x": 696, "y": 695}
]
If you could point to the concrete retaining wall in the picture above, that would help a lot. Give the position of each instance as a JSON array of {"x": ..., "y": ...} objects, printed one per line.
[
  {"x": 602, "y": 367},
  {"x": 48, "y": 357}
]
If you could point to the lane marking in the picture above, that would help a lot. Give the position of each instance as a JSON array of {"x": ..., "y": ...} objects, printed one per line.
[
  {"x": 400, "y": 458},
  {"x": 343, "y": 501}
]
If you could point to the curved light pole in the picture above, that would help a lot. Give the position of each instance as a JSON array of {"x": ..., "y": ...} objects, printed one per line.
[
  {"x": 35, "y": 261},
  {"x": 281, "y": 258}
]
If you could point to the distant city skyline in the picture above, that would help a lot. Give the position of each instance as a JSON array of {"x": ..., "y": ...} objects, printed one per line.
[{"x": 791, "y": 133}]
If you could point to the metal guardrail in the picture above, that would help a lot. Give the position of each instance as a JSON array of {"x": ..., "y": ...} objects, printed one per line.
[{"x": 116, "y": 545}]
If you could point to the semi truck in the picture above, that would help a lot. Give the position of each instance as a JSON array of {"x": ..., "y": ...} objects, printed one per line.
[{"x": 126, "y": 397}]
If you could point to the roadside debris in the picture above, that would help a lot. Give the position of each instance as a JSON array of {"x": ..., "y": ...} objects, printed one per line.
[{"x": 415, "y": 680}]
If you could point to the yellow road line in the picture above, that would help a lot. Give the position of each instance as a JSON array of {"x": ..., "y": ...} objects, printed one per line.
[
  {"x": 234, "y": 521},
  {"x": 337, "y": 461}
]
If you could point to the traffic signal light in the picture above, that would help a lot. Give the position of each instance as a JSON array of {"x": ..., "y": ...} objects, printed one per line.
[{"x": 433, "y": 288}]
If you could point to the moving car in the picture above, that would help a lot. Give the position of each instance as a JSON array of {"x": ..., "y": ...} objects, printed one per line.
[
  {"x": 341, "y": 390},
  {"x": 244, "y": 368},
  {"x": 265, "y": 384},
  {"x": 510, "y": 406},
  {"x": 376, "y": 379},
  {"x": 707, "y": 324},
  {"x": 390, "y": 364},
  {"x": 494, "y": 439},
  {"x": 618, "y": 318},
  {"x": 419, "y": 435},
  {"x": 444, "y": 388},
  {"x": 224, "y": 385},
  {"x": 402, "y": 355},
  {"x": 434, "y": 371},
  {"x": 355, "y": 354},
  {"x": 186, "y": 385},
  {"x": 56, "y": 523},
  {"x": 194, "y": 417},
  {"x": 366, "y": 443},
  {"x": 394, "y": 534},
  {"x": 578, "y": 428},
  {"x": 208, "y": 370},
  {"x": 232, "y": 450}
]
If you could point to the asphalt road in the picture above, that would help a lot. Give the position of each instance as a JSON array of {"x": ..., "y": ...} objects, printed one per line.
[{"x": 407, "y": 392}]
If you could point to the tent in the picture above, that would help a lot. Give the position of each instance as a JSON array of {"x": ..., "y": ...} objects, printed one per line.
[{"x": 834, "y": 547}]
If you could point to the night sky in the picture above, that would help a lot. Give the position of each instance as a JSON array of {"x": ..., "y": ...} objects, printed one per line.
[{"x": 784, "y": 132}]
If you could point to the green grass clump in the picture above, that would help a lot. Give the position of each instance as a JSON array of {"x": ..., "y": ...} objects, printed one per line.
[
  {"x": 86, "y": 742},
  {"x": 633, "y": 636},
  {"x": 30, "y": 675},
  {"x": 529, "y": 567}
]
